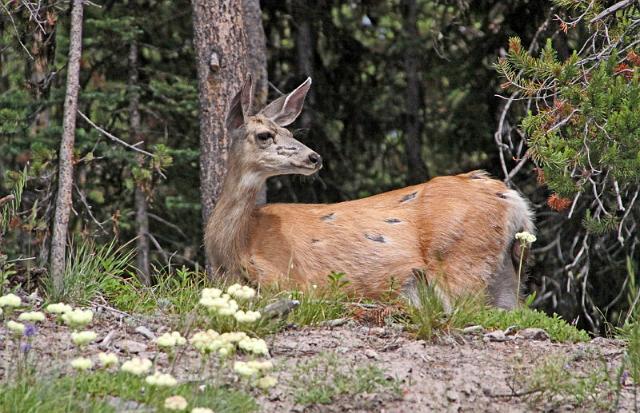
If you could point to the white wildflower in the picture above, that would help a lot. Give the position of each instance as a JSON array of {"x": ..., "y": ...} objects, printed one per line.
[
  {"x": 211, "y": 292},
  {"x": 247, "y": 317},
  {"x": 161, "y": 380},
  {"x": 77, "y": 318},
  {"x": 177, "y": 403},
  {"x": 242, "y": 292},
  {"x": 214, "y": 304},
  {"x": 16, "y": 328},
  {"x": 243, "y": 369},
  {"x": 527, "y": 237},
  {"x": 171, "y": 340},
  {"x": 32, "y": 316},
  {"x": 10, "y": 300},
  {"x": 59, "y": 308},
  {"x": 233, "y": 337},
  {"x": 226, "y": 349},
  {"x": 254, "y": 345},
  {"x": 81, "y": 363},
  {"x": 136, "y": 366},
  {"x": 202, "y": 340},
  {"x": 83, "y": 337},
  {"x": 230, "y": 309},
  {"x": 108, "y": 359},
  {"x": 266, "y": 382}
]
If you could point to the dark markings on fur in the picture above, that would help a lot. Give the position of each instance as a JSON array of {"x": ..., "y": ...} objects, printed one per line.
[
  {"x": 477, "y": 176},
  {"x": 392, "y": 220},
  {"x": 329, "y": 217},
  {"x": 287, "y": 150},
  {"x": 408, "y": 197},
  {"x": 375, "y": 237},
  {"x": 501, "y": 195},
  {"x": 314, "y": 240}
]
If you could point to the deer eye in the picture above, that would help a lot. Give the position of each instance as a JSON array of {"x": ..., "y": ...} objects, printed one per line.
[{"x": 264, "y": 137}]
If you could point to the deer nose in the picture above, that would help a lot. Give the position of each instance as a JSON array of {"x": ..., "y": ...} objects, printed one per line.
[{"x": 315, "y": 159}]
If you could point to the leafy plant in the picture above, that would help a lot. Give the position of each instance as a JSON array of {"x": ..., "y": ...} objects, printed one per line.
[
  {"x": 89, "y": 269},
  {"x": 321, "y": 379},
  {"x": 112, "y": 392},
  {"x": 432, "y": 317},
  {"x": 556, "y": 381}
]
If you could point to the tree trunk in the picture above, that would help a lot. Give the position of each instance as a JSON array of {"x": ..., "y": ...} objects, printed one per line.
[
  {"x": 256, "y": 51},
  {"x": 302, "y": 14},
  {"x": 42, "y": 49},
  {"x": 142, "y": 216},
  {"x": 416, "y": 168},
  {"x": 65, "y": 160},
  {"x": 220, "y": 45},
  {"x": 257, "y": 63}
]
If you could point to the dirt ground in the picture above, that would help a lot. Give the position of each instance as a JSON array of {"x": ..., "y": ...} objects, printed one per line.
[{"x": 458, "y": 373}]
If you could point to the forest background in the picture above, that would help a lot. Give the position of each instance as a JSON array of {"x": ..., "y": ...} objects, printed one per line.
[{"x": 542, "y": 94}]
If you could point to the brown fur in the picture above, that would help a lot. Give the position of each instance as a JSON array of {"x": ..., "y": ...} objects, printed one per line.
[{"x": 453, "y": 229}]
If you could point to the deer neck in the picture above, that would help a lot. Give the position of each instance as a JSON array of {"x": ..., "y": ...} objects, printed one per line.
[{"x": 227, "y": 234}]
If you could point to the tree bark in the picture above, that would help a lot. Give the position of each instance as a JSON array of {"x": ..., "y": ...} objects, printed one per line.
[
  {"x": 256, "y": 51},
  {"x": 42, "y": 49},
  {"x": 302, "y": 14},
  {"x": 257, "y": 63},
  {"x": 416, "y": 168},
  {"x": 140, "y": 196},
  {"x": 220, "y": 45},
  {"x": 65, "y": 159}
]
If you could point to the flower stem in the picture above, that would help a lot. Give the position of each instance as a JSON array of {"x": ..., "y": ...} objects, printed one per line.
[{"x": 523, "y": 247}]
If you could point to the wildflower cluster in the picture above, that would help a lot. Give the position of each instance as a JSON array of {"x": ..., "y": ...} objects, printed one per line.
[
  {"x": 108, "y": 359},
  {"x": 32, "y": 316},
  {"x": 137, "y": 366},
  {"x": 220, "y": 303},
  {"x": 170, "y": 340},
  {"x": 77, "y": 318},
  {"x": 83, "y": 337},
  {"x": 59, "y": 308},
  {"x": 161, "y": 380},
  {"x": 256, "y": 371},
  {"x": 526, "y": 237},
  {"x": 207, "y": 342},
  {"x": 81, "y": 363},
  {"x": 241, "y": 292},
  {"x": 211, "y": 341},
  {"x": 10, "y": 300}
]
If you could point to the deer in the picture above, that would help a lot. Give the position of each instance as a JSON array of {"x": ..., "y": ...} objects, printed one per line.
[{"x": 457, "y": 232}]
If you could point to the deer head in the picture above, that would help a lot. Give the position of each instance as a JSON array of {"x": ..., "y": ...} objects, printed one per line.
[{"x": 260, "y": 144}]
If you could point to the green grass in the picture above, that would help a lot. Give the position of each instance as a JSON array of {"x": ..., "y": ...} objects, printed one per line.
[
  {"x": 324, "y": 378},
  {"x": 557, "y": 381},
  {"x": 430, "y": 317},
  {"x": 178, "y": 293},
  {"x": 559, "y": 330},
  {"x": 90, "y": 270},
  {"x": 319, "y": 304},
  {"x": 92, "y": 393},
  {"x": 106, "y": 271}
]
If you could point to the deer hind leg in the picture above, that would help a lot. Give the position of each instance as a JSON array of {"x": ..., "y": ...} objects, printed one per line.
[
  {"x": 411, "y": 290},
  {"x": 502, "y": 287}
]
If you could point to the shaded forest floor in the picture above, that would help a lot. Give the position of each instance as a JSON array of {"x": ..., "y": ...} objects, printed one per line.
[{"x": 360, "y": 367}]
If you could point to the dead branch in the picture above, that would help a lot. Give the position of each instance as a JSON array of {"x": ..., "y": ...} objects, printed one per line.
[
  {"x": 619, "y": 5},
  {"x": 6, "y": 199},
  {"x": 114, "y": 138}
]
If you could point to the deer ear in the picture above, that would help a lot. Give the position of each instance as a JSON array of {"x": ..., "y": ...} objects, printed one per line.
[
  {"x": 240, "y": 108},
  {"x": 286, "y": 109}
]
